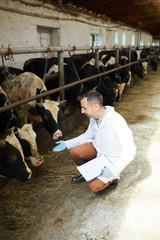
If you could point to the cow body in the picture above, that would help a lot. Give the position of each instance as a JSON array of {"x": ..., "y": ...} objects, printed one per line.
[
  {"x": 7, "y": 118},
  {"x": 120, "y": 77},
  {"x": 24, "y": 86}
]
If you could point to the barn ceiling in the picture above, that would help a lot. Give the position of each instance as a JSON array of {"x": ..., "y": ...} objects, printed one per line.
[{"x": 140, "y": 14}]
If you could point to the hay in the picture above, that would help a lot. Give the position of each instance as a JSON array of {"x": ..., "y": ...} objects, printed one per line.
[{"x": 22, "y": 203}]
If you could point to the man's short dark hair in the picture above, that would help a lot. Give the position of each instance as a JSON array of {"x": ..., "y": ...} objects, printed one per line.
[{"x": 93, "y": 95}]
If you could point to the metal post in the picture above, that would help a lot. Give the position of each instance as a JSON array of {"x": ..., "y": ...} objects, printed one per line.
[
  {"x": 157, "y": 54},
  {"x": 117, "y": 60},
  {"x": 117, "y": 57},
  {"x": 129, "y": 56},
  {"x": 97, "y": 59},
  {"x": 149, "y": 62},
  {"x": 97, "y": 63},
  {"x": 61, "y": 74}
]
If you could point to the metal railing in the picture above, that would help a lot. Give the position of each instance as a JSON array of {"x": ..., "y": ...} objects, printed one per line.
[{"x": 60, "y": 50}]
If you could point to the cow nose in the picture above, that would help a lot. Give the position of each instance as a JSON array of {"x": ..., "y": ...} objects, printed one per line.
[
  {"x": 41, "y": 160},
  {"x": 30, "y": 174},
  {"x": 57, "y": 135},
  {"x": 60, "y": 137}
]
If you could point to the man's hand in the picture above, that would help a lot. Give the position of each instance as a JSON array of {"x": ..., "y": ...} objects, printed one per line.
[
  {"x": 62, "y": 145},
  {"x": 106, "y": 172}
]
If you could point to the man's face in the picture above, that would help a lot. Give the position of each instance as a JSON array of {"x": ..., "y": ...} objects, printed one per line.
[{"x": 87, "y": 108}]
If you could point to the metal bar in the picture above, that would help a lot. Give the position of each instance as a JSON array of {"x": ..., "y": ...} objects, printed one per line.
[
  {"x": 15, "y": 50},
  {"x": 16, "y": 104},
  {"x": 61, "y": 73}
]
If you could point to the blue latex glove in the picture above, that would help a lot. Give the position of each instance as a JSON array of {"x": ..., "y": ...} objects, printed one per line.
[
  {"x": 62, "y": 145},
  {"x": 106, "y": 172}
]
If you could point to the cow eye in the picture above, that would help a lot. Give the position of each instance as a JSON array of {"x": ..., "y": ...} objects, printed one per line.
[
  {"x": 45, "y": 117},
  {"x": 12, "y": 158}
]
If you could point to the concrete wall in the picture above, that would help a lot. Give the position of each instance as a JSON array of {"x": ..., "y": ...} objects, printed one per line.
[{"x": 22, "y": 21}]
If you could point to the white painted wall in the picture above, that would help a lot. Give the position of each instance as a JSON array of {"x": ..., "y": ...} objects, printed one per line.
[{"x": 20, "y": 23}]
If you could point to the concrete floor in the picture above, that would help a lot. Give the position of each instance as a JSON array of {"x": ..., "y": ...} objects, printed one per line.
[{"x": 49, "y": 207}]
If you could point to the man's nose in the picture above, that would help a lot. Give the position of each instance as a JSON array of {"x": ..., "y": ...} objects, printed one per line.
[{"x": 82, "y": 111}]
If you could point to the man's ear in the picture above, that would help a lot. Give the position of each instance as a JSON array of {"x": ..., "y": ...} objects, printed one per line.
[{"x": 96, "y": 106}]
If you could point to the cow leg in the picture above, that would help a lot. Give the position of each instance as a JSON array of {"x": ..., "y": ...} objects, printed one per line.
[
  {"x": 130, "y": 78},
  {"x": 116, "y": 93},
  {"x": 120, "y": 90}
]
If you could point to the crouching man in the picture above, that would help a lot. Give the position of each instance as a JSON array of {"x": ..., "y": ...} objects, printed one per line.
[{"x": 108, "y": 134}]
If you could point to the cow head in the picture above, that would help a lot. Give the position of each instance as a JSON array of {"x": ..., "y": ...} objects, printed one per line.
[
  {"x": 12, "y": 162},
  {"x": 139, "y": 70},
  {"x": 50, "y": 113},
  {"x": 145, "y": 64},
  {"x": 52, "y": 73},
  {"x": 27, "y": 138}
]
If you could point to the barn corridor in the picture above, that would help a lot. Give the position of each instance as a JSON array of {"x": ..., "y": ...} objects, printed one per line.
[{"x": 49, "y": 207}]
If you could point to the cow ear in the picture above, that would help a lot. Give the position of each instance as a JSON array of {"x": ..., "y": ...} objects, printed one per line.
[
  {"x": 39, "y": 105},
  {"x": 2, "y": 143},
  {"x": 13, "y": 129},
  {"x": 61, "y": 102}
]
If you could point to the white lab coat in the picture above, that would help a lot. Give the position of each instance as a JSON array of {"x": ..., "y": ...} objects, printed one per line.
[{"x": 112, "y": 138}]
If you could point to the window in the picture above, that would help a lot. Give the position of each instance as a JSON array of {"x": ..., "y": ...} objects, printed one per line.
[
  {"x": 48, "y": 37},
  {"x": 123, "y": 39},
  {"x": 141, "y": 43},
  {"x": 116, "y": 38},
  {"x": 44, "y": 37},
  {"x": 156, "y": 43},
  {"x": 133, "y": 40},
  {"x": 96, "y": 40}
]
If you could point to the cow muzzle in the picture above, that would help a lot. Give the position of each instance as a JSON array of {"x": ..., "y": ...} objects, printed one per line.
[
  {"x": 36, "y": 162},
  {"x": 30, "y": 174},
  {"x": 57, "y": 134}
]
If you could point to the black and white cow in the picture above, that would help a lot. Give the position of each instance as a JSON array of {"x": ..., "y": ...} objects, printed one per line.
[
  {"x": 48, "y": 70},
  {"x": 109, "y": 91},
  {"x": 24, "y": 86},
  {"x": 120, "y": 77},
  {"x": 153, "y": 61},
  {"x": 147, "y": 53},
  {"x": 25, "y": 134},
  {"x": 12, "y": 162},
  {"x": 28, "y": 140},
  {"x": 85, "y": 66},
  {"x": 138, "y": 68}
]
